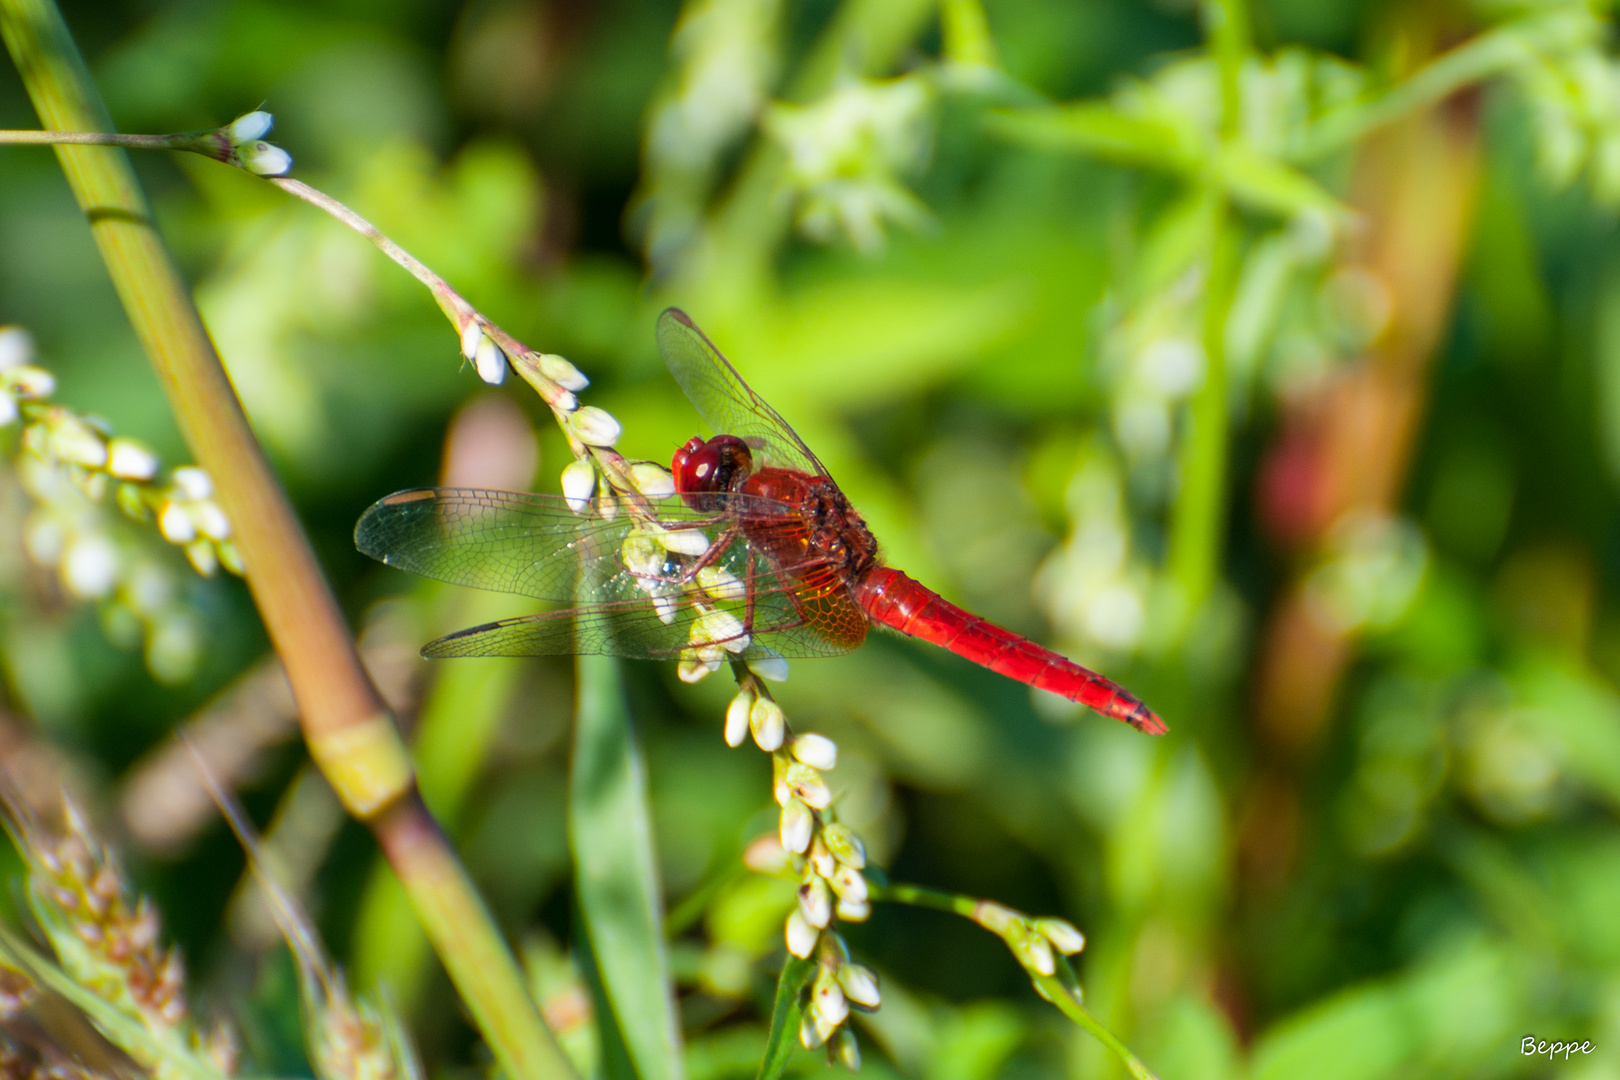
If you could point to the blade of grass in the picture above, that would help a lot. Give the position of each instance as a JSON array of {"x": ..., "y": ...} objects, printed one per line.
[
  {"x": 346, "y": 725},
  {"x": 610, "y": 831},
  {"x": 785, "y": 1013}
]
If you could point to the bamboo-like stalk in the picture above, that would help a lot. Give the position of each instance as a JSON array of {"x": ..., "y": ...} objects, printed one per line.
[
  {"x": 347, "y": 726},
  {"x": 1199, "y": 514}
]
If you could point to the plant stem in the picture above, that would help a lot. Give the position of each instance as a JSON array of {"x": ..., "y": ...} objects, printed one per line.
[
  {"x": 450, "y": 302},
  {"x": 85, "y": 138},
  {"x": 1051, "y": 987},
  {"x": 1199, "y": 515},
  {"x": 1227, "y": 24},
  {"x": 347, "y": 726},
  {"x": 1053, "y": 990}
]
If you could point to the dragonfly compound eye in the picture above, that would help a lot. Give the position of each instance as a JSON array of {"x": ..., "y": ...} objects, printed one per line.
[{"x": 719, "y": 465}]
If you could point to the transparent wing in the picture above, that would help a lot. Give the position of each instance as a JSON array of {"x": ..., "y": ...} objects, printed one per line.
[
  {"x": 532, "y": 545},
  {"x": 633, "y": 597},
  {"x": 724, "y": 400},
  {"x": 634, "y": 629}
]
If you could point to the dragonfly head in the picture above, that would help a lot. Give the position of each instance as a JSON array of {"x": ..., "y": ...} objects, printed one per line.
[{"x": 707, "y": 468}]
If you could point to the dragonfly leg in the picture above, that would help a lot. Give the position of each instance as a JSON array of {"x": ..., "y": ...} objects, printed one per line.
[
  {"x": 748, "y": 603},
  {"x": 689, "y": 571}
]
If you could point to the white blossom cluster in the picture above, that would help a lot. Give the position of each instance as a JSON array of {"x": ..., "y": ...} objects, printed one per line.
[
  {"x": 1031, "y": 940},
  {"x": 249, "y": 151},
  {"x": 825, "y": 855},
  {"x": 847, "y": 153},
  {"x": 68, "y": 463}
]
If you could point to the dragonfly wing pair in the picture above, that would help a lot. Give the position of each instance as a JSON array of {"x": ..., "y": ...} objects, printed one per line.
[{"x": 621, "y": 604}]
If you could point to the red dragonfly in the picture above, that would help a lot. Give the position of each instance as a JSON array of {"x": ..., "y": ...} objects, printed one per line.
[{"x": 755, "y": 554}]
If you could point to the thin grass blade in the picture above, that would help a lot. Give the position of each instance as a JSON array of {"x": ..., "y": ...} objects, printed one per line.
[
  {"x": 785, "y": 1015},
  {"x": 610, "y": 831}
]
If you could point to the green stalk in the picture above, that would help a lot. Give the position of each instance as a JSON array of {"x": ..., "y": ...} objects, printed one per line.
[
  {"x": 1227, "y": 24},
  {"x": 347, "y": 726},
  {"x": 1060, "y": 988},
  {"x": 1199, "y": 517}
]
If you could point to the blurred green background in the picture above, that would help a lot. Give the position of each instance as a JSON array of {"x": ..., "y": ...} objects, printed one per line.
[{"x": 1380, "y": 623}]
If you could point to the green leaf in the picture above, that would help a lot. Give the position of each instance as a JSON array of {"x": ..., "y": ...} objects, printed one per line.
[
  {"x": 784, "y": 1036},
  {"x": 1103, "y": 131},
  {"x": 611, "y": 835}
]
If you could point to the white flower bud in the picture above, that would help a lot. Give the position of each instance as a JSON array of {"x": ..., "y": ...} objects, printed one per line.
[
  {"x": 814, "y": 1029},
  {"x": 210, "y": 519},
  {"x": 8, "y": 408},
  {"x": 31, "y": 383},
  {"x": 847, "y": 1050},
  {"x": 652, "y": 479},
  {"x": 850, "y": 884},
  {"x": 769, "y": 724},
  {"x": 860, "y": 985},
  {"x": 694, "y": 669},
  {"x": 816, "y": 901},
  {"x": 721, "y": 584},
  {"x": 193, "y": 483},
  {"x": 684, "y": 541},
  {"x": 722, "y": 628},
  {"x": 643, "y": 558},
  {"x": 817, "y": 751},
  {"x": 808, "y": 785},
  {"x": 801, "y": 936},
  {"x": 827, "y": 999},
  {"x": 175, "y": 524},
  {"x": 1062, "y": 934},
  {"x": 16, "y": 347},
  {"x": 594, "y": 426},
  {"x": 265, "y": 159},
  {"x": 561, "y": 372},
  {"x": 250, "y": 127},
  {"x": 128, "y": 459},
  {"x": 796, "y": 826},
  {"x": 1032, "y": 950},
  {"x": 771, "y": 667},
  {"x": 579, "y": 483},
  {"x": 204, "y": 559},
  {"x": 471, "y": 335},
  {"x": 665, "y": 607},
  {"x": 993, "y": 916},
  {"x": 854, "y": 910},
  {"x": 737, "y": 717},
  {"x": 90, "y": 566},
  {"x": 490, "y": 362},
  {"x": 78, "y": 443},
  {"x": 821, "y": 858},
  {"x": 845, "y": 845}
]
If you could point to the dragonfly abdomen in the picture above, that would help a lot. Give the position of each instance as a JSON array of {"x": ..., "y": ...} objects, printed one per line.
[{"x": 897, "y": 601}]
